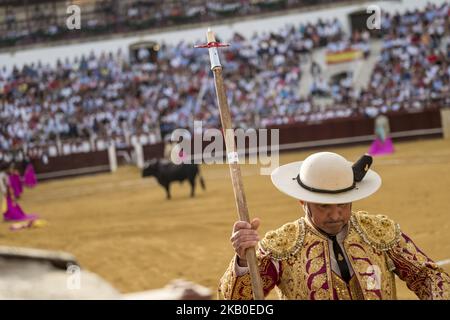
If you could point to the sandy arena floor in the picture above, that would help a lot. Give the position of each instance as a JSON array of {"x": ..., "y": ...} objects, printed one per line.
[{"x": 122, "y": 227}]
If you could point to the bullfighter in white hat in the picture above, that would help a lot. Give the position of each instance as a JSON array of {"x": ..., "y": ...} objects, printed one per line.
[{"x": 331, "y": 252}]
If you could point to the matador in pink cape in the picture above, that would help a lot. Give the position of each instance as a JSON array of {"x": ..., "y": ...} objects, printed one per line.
[{"x": 332, "y": 252}]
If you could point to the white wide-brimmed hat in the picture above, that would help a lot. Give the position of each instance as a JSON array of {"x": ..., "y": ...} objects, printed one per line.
[{"x": 327, "y": 177}]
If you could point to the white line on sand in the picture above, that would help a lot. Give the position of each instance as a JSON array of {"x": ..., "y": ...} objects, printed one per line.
[{"x": 443, "y": 262}]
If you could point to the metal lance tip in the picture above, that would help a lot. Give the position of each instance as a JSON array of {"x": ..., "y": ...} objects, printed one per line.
[
  {"x": 211, "y": 42},
  {"x": 210, "y": 36}
]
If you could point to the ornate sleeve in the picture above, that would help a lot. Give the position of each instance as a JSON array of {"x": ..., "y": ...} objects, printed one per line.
[
  {"x": 421, "y": 274},
  {"x": 274, "y": 247},
  {"x": 234, "y": 287}
]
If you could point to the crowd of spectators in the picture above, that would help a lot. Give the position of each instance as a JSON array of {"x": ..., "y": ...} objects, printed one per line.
[
  {"x": 27, "y": 22},
  {"x": 108, "y": 96},
  {"x": 412, "y": 71}
]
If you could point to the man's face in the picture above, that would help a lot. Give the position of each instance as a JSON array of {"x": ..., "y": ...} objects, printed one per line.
[{"x": 330, "y": 218}]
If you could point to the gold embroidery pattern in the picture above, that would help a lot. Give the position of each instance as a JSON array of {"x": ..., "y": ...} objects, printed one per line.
[
  {"x": 243, "y": 288},
  {"x": 352, "y": 291},
  {"x": 316, "y": 271},
  {"x": 292, "y": 282},
  {"x": 355, "y": 289},
  {"x": 422, "y": 275},
  {"x": 240, "y": 288},
  {"x": 304, "y": 275},
  {"x": 285, "y": 241},
  {"x": 371, "y": 268},
  {"x": 378, "y": 231},
  {"x": 365, "y": 270},
  {"x": 227, "y": 281},
  {"x": 340, "y": 287}
]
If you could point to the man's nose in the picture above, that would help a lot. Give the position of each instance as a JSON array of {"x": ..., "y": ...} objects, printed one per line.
[{"x": 334, "y": 213}]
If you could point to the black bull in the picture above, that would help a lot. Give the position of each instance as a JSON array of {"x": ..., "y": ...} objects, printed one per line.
[{"x": 168, "y": 172}]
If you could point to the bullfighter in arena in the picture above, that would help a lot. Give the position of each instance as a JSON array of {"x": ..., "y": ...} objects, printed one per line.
[{"x": 331, "y": 252}]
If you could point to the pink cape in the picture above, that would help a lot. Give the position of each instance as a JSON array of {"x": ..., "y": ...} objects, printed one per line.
[
  {"x": 29, "y": 178},
  {"x": 16, "y": 184},
  {"x": 379, "y": 147},
  {"x": 15, "y": 213}
]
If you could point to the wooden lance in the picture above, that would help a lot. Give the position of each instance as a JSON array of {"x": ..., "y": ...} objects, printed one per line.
[{"x": 232, "y": 156}]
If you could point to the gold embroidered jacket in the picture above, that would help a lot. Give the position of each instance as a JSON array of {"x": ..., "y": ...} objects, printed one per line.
[{"x": 295, "y": 259}]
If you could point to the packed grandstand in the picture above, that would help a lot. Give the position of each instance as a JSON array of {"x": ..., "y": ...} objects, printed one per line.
[{"x": 112, "y": 96}]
